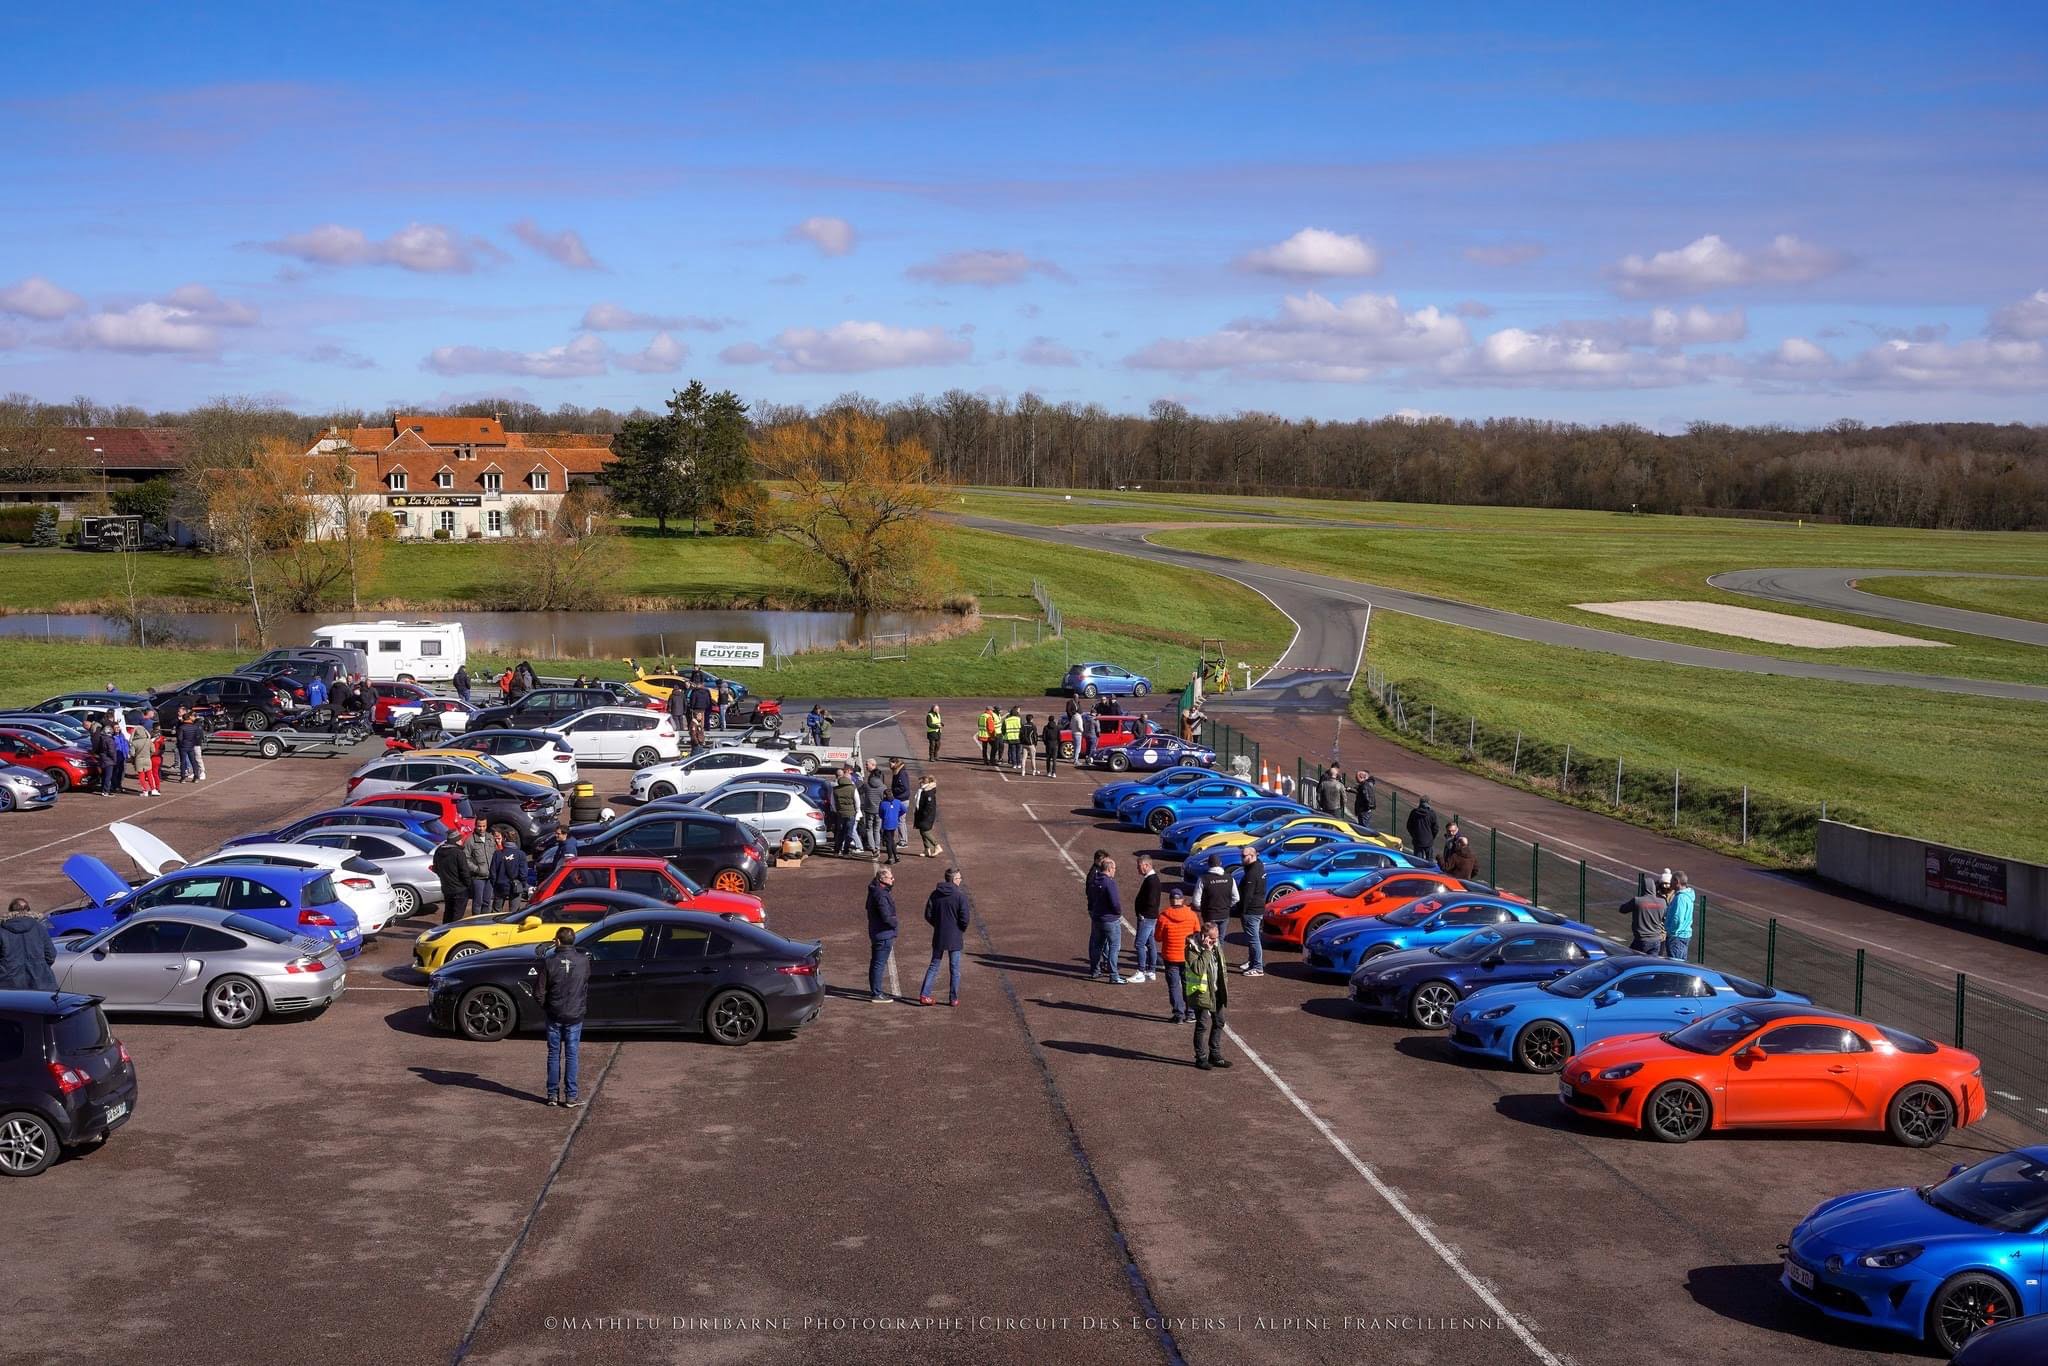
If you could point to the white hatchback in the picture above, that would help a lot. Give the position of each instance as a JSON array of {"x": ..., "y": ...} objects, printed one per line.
[
  {"x": 536, "y": 753},
  {"x": 705, "y": 770},
  {"x": 621, "y": 735},
  {"x": 362, "y": 886}
]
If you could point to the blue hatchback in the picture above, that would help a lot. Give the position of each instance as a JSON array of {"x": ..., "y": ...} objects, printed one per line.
[
  {"x": 300, "y": 901},
  {"x": 1940, "y": 1262},
  {"x": 1340, "y": 947},
  {"x": 1104, "y": 680}
]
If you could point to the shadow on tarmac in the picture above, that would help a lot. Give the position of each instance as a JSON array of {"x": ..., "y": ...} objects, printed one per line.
[
  {"x": 1013, "y": 963},
  {"x": 1432, "y": 1048},
  {"x": 470, "y": 1081},
  {"x": 1337, "y": 1008},
  {"x": 1749, "y": 1294},
  {"x": 1087, "y": 1009},
  {"x": 1103, "y": 1050}
]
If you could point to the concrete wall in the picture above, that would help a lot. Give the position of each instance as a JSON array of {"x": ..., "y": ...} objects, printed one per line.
[{"x": 1936, "y": 877}]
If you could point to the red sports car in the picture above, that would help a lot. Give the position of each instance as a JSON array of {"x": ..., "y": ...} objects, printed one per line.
[
  {"x": 1291, "y": 919},
  {"x": 1777, "y": 1065},
  {"x": 391, "y": 695},
  {"x": 649, "y": 877}
]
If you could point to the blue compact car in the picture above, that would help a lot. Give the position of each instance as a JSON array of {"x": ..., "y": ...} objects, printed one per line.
[
  {"x": 1108, "y": 795},
  {"x": 1104, "y": 680},
  {"x": 1182, "y": 836},
  {"x": 1423, "y": 986},
  {"x": 1537, "y": 1027},
  {"x": 2022, "y": 1342},
  {"x": 1210, "y": 797},
  {"x": 300, "y": 901},
  {"x": 1330, "y": 866},
  {"x": 1940, "y": 1263},
  {"x": 1340, "y": 947},
  {"x": 1152, "y": 752}
]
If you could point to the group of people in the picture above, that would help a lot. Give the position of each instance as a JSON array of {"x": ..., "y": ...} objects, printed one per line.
[
  {"x": 947, "y": 910},
  {"x": 1011, "y": 741},
  {"x": 697, "y": 708},
  {"x": 870, "y": 808},
  {"x": 1661, "y": 916},
  {"x": 1176, "y": 942},
  {"x": 487, "y": 871}
]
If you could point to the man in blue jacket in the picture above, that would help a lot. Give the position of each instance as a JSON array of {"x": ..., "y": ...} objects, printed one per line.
[
  {"x": 1105, "y": 914},
  {"x": 946, "y": 911},
  {"x": 881, "y": 932},
  {"x": 563, "y": 987},
  {"x": 1678, "y": 919}
]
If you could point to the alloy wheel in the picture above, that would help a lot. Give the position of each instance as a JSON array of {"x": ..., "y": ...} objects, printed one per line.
[
  {"x": 24, "y": 1145},
  {"x": 1434, "y": 1002},
  {"x": 233, "y": 1002}
]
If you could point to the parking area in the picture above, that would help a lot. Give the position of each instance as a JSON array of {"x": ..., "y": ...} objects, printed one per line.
[{"x": 1037, "y": 1175}]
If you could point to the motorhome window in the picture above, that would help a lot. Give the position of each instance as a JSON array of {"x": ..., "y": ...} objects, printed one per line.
[
  {"x": 430, "y": 648},
  {"x": 390, "y": 647}
]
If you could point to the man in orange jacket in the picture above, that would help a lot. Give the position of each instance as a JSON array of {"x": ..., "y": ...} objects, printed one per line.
[{"x": 1177, "y": 921}]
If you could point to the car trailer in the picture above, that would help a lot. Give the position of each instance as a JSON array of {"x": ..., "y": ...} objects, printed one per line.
[{"x": 275, "y": 744}]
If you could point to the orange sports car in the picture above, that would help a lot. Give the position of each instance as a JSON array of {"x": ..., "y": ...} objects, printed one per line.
[
  {"x": 1291, "y": 919},
  {"x": 1777, "y": 1065}
]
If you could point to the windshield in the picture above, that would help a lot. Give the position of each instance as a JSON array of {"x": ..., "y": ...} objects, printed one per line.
[
  {"x": 1358, "y": 887},
  {"x": 1585, "y": 981},
  {"x": 1472, "y": 946},
  {"x": 1717, "y": 1033},
  {"x": 2008, "y": 1193},
  {"x": 1407, "y": 915}
]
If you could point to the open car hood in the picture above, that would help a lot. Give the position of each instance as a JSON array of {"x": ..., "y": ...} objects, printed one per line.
[
  {"x": 102, "y": 885},
  {"x": 149, "y": 853}
]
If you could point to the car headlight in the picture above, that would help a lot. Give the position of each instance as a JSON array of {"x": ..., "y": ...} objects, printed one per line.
[
  {"x": 430, "y": 936},
  {"x": 1496, "y": 1013},
  {"x": 1621, "y": 1073},
  {"x": 1884, "y": 1259}
]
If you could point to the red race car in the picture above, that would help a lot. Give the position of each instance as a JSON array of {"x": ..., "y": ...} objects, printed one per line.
[
  {"x": 1112, "y": 731},
  {"x": 1293, "y": 918},
  {"x": 1777, "y": 1065},
  {"x": 66, "y": 767},
  {"x": 649, "y": 877},
  {"x": 450, "y": 808}
]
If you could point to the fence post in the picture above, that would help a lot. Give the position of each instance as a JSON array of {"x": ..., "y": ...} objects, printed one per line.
[
  {"x": 1471, "y": 736},
  {"x": 1962, "y": 990},
  {"x": 1582, "y": 889},
  {"x": 1771, "y": 954},
  {"x": 1859, "y": 983},
  {"x": 1564, "y": 782},
  {"x": 1617, "y": 780},
  {"x": 1493, "y": 857},
  {"x": 1432, "y": 723},
  {"x": 1745, "y": 813},
  {"x": 1699, "y": 931},
  {"x": 1674, "y": 799},
  {"x": 1535, "y": 873},
  {"x": 1394, "y": 811},
  {"x": 1515, "y": 764}
]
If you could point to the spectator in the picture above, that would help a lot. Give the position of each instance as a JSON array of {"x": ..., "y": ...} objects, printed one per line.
[
  {"x": 26, "y": 953},
  {"x": 1283, "y": 787},
  {"x": 511, "y": 873},
  {"x": 810, "y": 724},
  {"x": 1331, "y": 789},
  {"x": 1678, "y": 919},
  {"x": 1645, "y": 911},
  {"x": 1459, "y": 860},
  {"x": 924, "y": 814},
  {"x": 845, "y": 810},
  {"x": 1085, "y": 736},
  {"x": 563, "y": 986},
  {"x": 1051, "y": 739},
  {"x": 1207, "y": 986},
  {"x": 1452, "y": 834},
  {"x": 899, "y": 780},
  {"x": 892, "y": 811},
  {"x": 1251, "y": 906},
  {"x": 1013, "y": 735},
  {"x": 873, "y": 789},
  {"x": 824, "y": 725},
  {"x": 1027, "y": 747},
  {"x": 1145, "y": 911},
  {"x": 451, "y": 866},
  {"x": 316, "y": 691},
  {"x": 149, "y": 758},
  {"x": 988, "y": 729},
  {"x": 934, "y": 727},
  {"x": 114, "y": 753},
  {"x": 1365, "y": 798},
  {"x": 1106, "y": 917},
  {"x": 881, "y": 932},
  {"x": 1178, "y": 923},
  {"x": 191, "y": 736},
  {"x": 477, "y": 853},
  {"x": 1422, "y": 829},
  {"x": 1218, "y": 895},
  {"x": 461, "y": 681},
  {"x": 946, "y": 911}
]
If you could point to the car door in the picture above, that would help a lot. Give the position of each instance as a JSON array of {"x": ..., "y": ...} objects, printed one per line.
[
  {"x": 702, "y": 852},
  {"x": 618, "y": 962},
  {"x": 647, "y": 882},
  {"x": 1807, "y": 1074},
  {"x": 679, "y": 977},
  {"x": 1534, "y": 958},
  {"x": 1648, "y": 1001},
  {"x": 199, "y": 889},
  {"x": 135, "y": 967},
  {"x": 740, "y": 805}
]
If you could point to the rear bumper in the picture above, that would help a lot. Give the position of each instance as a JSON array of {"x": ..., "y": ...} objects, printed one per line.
[
  {"x": 92, "y": 1120},
  {"x": 298, "y": 992}
]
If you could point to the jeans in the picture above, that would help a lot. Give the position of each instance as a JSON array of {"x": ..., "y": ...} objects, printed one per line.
[
  {"x": 191, "y": 768},
  {"x": 842, "y": 834},
  {"x": 110, "y": 776},
  {"x": 879, "y": 951},
  {"x": 870, "y": 834},
  {"x": 1677, "y": 948},
  {"x": 564, "y": 1040},
  {"x": 1147, "y": 947},
  {"x": 1252, "y": 923},
  {"x": 931, "y": 745},
  {"x": 1210, "y": 1023},
  {"x": 1175, "y": 997},
  {"x": 1109, "y": 944},
  {"x": 1016, "y": 753},
  {"x": 480, "y": 895},
  {"x": 1653, "y": 947},
  {"x": 1094, "y": 946},
  {"x": 931, "y": 974}
]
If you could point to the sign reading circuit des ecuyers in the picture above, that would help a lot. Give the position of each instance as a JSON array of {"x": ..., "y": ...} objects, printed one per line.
[{"x": 732, "y": 654}]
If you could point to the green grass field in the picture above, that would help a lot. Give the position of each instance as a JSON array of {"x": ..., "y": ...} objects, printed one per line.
[{"x": 2005, "y": 597}]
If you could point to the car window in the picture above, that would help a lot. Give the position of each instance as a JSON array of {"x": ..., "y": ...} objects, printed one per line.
[
  {"x": 13, "y": 1038},
  {"x": 654, "y": 835},
  {"x": 152, "y": 936},
  {"x": 736, "y": 803},
  {"x": 207, "y": 939},
  {"x": 699, "y": 835},
  {"x": 585, "y": 877},
  {"x": 774, "y": 801},
  {"x": 617, "y": 945},
  {"x": 645, "y": 881},
  {"x": 680, "y": 943},
  {"x": 246, "y": 894},
  {"x": 1813, "y": 1038},
  {"x": 1464, "y": 916},
  {"x": 191, "y": 891},
  {"x": 1532, "y": 949},
  {"x": 578, "y": 912},
  {"x": 1658, "y": 984}
]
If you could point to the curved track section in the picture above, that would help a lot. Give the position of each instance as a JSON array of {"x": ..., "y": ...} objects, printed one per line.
[{"x": 1835, "y": 590}]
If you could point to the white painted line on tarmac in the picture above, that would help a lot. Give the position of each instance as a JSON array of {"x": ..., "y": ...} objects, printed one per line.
[
  {"x": 132, "y": 817},
  {"x": 1393, "y": 1198},
  {"x": 1061, "y": 850},
  {"x": 2005, "y": 1095}
]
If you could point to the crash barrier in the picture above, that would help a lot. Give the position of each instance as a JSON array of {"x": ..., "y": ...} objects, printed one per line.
[
  {"x": 2010, "y": 1038},
  {"x": 1957, "y": 884},
  {"x": 1047, "y": 606},
  {"x": 1667, "y": 797}
]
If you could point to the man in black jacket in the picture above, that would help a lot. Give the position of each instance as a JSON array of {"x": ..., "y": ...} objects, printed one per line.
[
  {"x": 881, "y": 932},
  {"x": 1251, "y": 910},
  {"x": 190, "y": 736},
  {"x": 1365, "y": 798},
  {"x": 1422, "y": 829},
  {"x": 1145, "y": 909},
  {"x": 946, "y": 911},
  {"x": 1217, "y": 894},
  {"x": 27, "y": 957},
  {"x": 451, "y": 865},
  {"x": 563, "y": 987}
]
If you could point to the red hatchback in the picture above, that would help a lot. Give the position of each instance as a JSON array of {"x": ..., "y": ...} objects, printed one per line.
[
  {"x": 450, "y": 808},
  {"x": 649, "y": 877},
  {"x": 66, "y": 767},
  {"x": 391, "y": 695}
]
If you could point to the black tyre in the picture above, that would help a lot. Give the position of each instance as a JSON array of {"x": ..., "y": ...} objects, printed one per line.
[
  {"x": 1542, "y": 1046},
  {"x": 270, "y": 747},
  {"x": 60, "y": 778},
  {"x": 1118, "y": 761},
  {"x": 1965, "y": 1306},
  {"x": 1676, "y": 1112},
  {"x": 1159, "y": 820},
  {"x": 660, "y": 790},
  {"x": 255, "y": 719},
  {"x": 485, "y": 1014},
  {"x": 28, "y": 1143},
  {"x": 735, "y": 1017},
  {"x": 1141, "y": 689},
  {"x": 6, "y": 799},
  {"x": 1920, "y": 1116},
  {"x": 1430, "y": 1005},
  {"x": 1067, "y": 750},
  {"x": 645, "y": 755},
  {"x": 405, "y": 901},
  {"x": 806, "y": 843},
  {"x": 463, "y": 951},
  {"x": 233, "y": 1003}
]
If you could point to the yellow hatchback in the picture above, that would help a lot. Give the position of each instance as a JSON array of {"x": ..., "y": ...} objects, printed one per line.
[{"x": 1230, "y": 839}]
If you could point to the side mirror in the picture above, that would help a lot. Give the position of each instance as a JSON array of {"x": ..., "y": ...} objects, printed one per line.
[
  {"x": 1959, "y": 1167},
  {"x": 1606, "y": 998},
  {"x": 531, "y": 922},
  {"x": 1753, "y": 1053},
  {"x": 99, "y": 954},
  {"x": 1490, "y": 962}
]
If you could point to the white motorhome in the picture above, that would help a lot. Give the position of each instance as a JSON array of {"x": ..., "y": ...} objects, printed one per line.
[{"x": 429, "y": 651}]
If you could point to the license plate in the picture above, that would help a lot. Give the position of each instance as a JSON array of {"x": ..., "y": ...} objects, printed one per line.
[
  {"x": 1800, "y": 1275},
  {"x": 117, "y": 1110},
  {"x": 1565, "y": 1091}
]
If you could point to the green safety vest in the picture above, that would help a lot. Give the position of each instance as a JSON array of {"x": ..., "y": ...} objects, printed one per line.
[{"x": 932, "y": 724}]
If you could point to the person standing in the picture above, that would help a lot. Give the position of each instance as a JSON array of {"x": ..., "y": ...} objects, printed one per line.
[
  {"x": 149, "y": 758},
  {"x": 451, "y": 867},
  {"x": 924, "y": 814},
  {"x": 1013, "y": 735},
  {"x": 934, "y": 727},
  {"x": 872, "y": 789},
  {"x": 1452, "y": 834},
  {"x": 461, "y": 681},
  {"x": 1283, "y": 787},
  {"x": 991, "y": 726},
  {"x": 1027, "y": 747},
  {"x": 191, "y": 736},
  {"x": 1422, "y": 829},
  {"x": 563, "y": 986},
  {"x": 1218, "y": 896},
  {"x": 678, "y": 708},
  {"x": 1678, "y": 918},
  {"x": 477, "y": 854},
  {"x": 26, "y": 953},
  {"x": 893, "y": 809},
  {"x": 1106, "y": 910},
  {"x": 947, "y": 911},
  {"x": 1365, "y": 798},
  {"x": 1178, "y": 924},
  {"x": 511, "y": 874},
  {"x": 1645, "y": 911},
  {"x": 1251, "y": 907},
  {"x": 1085, "y": 735},
  {"x": 899, "y": 780},
  {"x": 1332, "y": 791},
  {"x": 1458, "y": 859},
  {"x": 1145, "y": 911},
  {"x": 845, "y": 810},
  {"x": 1050, "y": 737},
  {"x": 881, "y": 932},
  {"x": 1208, "y": 996}
]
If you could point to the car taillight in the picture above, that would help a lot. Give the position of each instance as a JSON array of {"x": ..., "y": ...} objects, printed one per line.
[
  {"x": 818, "y": 816},
  {"x": 122, "y": 1048},
  {"x": 316, "y": 918},
  {"x": 306, "y": 964},
  {"x": 753, "y": 852},
  {"x": 792, "y": 770},
  {"x": 798, "y": 969},
  {"x": 357, "y": 884},
  {"x": 352, "y": 784},
  {"x": 68, "y": 1079},
  {"x": 533, "y": 804},
  {"x": 565, "y": 758}
]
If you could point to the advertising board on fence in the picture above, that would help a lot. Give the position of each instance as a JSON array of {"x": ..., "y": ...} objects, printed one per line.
[
  {"x": 731, "y": 654},
  {"x": 1966, "y": 874}
]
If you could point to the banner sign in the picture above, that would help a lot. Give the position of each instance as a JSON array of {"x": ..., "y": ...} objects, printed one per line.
[
  {"x": 1961, "y": 873},
  {"x": 733, "y": 655},
  {"x": 434, "y": 500}
]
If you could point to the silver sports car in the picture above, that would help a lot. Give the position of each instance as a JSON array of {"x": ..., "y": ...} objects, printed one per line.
[{"x": 200, "y": 961}]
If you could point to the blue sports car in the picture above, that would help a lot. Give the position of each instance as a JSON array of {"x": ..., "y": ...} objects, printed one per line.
[
  {"x": 297, "y": 900},
  {"x": 1939, "y": 1262},
  {"x": 1330, "y": 865},
  {"x": 1537, "y": 1027},
  {"x": 1285, "y": 842},
  {"x": 1424, "y": 986},
  {"x": 1181, "y": 836},
  {"x": 1108, "y": 795},
  {"x": 1152, "y": 752},
  {"x": 1210, "y": 797},
  {"x": 1340, "y": 947}
]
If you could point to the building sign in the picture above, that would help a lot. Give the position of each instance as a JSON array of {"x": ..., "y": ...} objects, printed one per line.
[
  {"x": 1962, "y": 873},
  {"x": 434, "y": 500},
  {"x": 730, "y": 654}
]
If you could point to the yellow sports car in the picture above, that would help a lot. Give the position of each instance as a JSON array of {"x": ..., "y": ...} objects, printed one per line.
[
  {"x": 1228, "y": 839},
  {"x": 534, "y": 925},
  {"x": 487, "y": 766},
  {"x": 658, "y": 686}
]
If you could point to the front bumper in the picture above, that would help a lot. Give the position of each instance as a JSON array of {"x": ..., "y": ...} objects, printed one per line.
[{"x": 1892, "y": 1300}]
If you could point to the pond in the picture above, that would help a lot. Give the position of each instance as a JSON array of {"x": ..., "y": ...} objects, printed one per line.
[{"x": 540, "y": 635}]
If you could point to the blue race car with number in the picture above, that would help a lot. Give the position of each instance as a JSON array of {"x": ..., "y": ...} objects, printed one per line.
[
  {"x": 1537, "y": 1027},
  {"x": 1940, "y": 1262},
  {"x": 1340, "y": 947},
  {"x": 1107, "y": 796},
  {"x": 1287, "y": 844},
  {"x": 1210, "y": 797},
  {"x": 1152, "y": 752},
  {"x": 1182, "y": 836},
  {"x": 300, "y": 901},
  {"x": 1423, "y": 986}
]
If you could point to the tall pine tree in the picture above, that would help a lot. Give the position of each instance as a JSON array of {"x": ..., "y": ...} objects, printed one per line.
[{"x": 683, "y": 463}]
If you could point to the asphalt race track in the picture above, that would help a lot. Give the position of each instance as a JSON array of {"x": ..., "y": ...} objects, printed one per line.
[
  {"x": 1330, "y": 613},
  {"x": 1835, "y": 590}
]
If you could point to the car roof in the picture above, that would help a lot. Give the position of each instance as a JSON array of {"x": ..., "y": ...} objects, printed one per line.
[
  {"x": 495, "y": 782},
  {"x": 534, "y": 733},
  {"x": 642, "y": 861},
  {"x": 608, "y": 710},
  {"x": 277, "y": 849},
  {"x": 383, "y": 828},
  {"x": 51, "y": 1004},
  {"x": 668, "y": 813}
]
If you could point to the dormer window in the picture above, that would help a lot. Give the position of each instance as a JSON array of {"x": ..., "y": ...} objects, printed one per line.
[
  {"x": 465, "y": 452},
  {"x": 398, "y": 481},
  {"x": 494, "y": 482},
  {"x": 538, "y": 479},
  {"x": 444, "y": 478}
]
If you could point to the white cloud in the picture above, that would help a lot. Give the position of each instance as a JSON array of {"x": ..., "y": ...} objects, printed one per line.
[
  {"x": 849, "y": 347},
  {"x": 36, "y": 297},
  {"x": 564, "y": 248},
  {"x": 2024, "y": 320},
  {"x": 661, "y": 356},
  {"x": 1692, "y": 326},
  {"x": 427, "y": 248},
  {"x": 1504, "y": 253},
  {"x": 606, "y": 317},
  {"x": 200, "y": 304},
  {"x": 1710, "y": 263},
  {"x": 586, "y": 355},
  {"x": 1517, "y": 357},
  {"x": 1800, "y": 351},
  {"x": 1314, "y": 253},
  {"x": 1979, "y": 364},
  {"x": 987, "y": 268},
  {"x": 1046, "y": 351},
  {"x": 831, "y": 236},
  {"x": 145, "y": 329},
  {"x": 1415, "y": 415},
  {"x": 1314, "y": 338}
]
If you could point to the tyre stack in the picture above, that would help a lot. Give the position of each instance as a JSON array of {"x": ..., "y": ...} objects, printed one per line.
[{"x": 585, "y": 806}]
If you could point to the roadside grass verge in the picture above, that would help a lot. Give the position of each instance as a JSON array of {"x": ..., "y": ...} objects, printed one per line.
[{"x": 2002, "y": 597}]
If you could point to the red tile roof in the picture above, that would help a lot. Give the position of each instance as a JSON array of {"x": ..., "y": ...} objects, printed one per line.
[
  {"x": 133, "y": 448},
  {"x": 455, "y": 431}
]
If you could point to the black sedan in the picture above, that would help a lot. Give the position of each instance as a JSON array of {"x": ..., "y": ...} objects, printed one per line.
[
  {"x": 1425, "y": 985},
  {"x": 542, "y": 708},
  {"x": 714, "y": 851},
  {"x": 650, "y": 969},
  {"x": 534, "y": 813}
]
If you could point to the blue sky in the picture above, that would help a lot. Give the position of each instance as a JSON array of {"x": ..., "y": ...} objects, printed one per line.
[{"x": 1784, "y": 213}]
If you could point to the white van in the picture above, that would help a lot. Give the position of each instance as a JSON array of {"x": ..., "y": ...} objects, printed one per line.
[{"x": 430, "y": 651}]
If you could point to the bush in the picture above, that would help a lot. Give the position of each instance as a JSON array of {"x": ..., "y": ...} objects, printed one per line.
[
  {"x": 18, "y": 523},
  {"x": 381, "y": 526},
  {"x": 46, "y": 533},
  {"x": 441, "y": 533}
]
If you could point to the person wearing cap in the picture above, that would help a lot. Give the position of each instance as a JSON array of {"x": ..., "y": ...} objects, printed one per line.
[{"x": 1678, "y": 917}]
